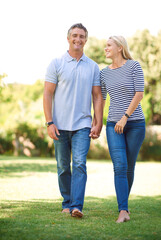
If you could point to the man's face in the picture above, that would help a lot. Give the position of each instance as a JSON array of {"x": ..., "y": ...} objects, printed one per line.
[{"x": 77, "y": 39}]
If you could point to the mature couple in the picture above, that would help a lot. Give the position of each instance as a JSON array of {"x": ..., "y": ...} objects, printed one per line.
[{"x": 74, "y": 81}]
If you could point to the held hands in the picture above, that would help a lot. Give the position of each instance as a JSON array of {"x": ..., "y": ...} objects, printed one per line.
[
  {"x": 95, "y": 132},
  {"x": 96, "y": 129},
  {"x": 119, "y": 127},
  {"x": 52, "y": 131}
]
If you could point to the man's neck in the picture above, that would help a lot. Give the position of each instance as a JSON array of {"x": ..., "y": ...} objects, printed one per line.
[{"x": 75, "y": 54}]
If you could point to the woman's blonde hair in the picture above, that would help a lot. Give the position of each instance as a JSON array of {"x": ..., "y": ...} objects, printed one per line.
[{"x": 121, "y": 42}]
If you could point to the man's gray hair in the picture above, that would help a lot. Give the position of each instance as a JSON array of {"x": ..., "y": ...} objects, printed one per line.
[{"x": 78, "y": 25}]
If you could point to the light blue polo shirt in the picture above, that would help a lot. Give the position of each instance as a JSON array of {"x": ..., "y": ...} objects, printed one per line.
[{"x": 73, "y": 94}]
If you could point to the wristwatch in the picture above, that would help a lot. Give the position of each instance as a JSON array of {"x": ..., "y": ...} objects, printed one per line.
[
  {"x": 49, "y": 123},
  {"x": 127, "y": 115}
]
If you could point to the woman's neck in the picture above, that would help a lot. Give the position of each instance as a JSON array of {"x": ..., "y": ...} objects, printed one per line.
[{"x": 117, "y": 62}]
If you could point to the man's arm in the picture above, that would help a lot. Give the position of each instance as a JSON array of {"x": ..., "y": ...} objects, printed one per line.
[
  {"x": 49, "y": 89},
  {"x": 98, "y": 112}
]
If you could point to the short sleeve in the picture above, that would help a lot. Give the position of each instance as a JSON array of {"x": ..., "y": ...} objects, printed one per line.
[
  {"x": 103, "y": 86},
  {"x": 96, "y": 81},
  {"x": 51, "y": 73},
  {"x": 138, "y": 77}
]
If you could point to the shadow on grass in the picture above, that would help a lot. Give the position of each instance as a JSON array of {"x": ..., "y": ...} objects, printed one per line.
[
  {"x": 43, "y": 220},
  {"x": 9, "y": 170}
]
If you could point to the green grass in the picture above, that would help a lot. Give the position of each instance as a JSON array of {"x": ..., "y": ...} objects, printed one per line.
[
  {"x": 41, "y": 219},
  {"x": 25, "y": 164},
  {"x": 32, "y": 167}
]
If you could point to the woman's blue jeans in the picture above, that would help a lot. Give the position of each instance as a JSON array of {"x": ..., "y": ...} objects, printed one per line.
[
  {"x": 72, "y": 184},
  {"x": 124, "y": 149}
]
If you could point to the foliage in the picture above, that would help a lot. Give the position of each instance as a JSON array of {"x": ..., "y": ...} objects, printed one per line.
[
  {"x": 97, "y": 151},
  {"x": 106, "y": 109},
  {"x": 26, "y": 140},
  {"x": 21, "y": 109},
  {"x": 35, "y": 91},
  {"x": 24, "y": 104},
  {"x": 22, "y": 121},
  {"x": 151, "y": 147},
  {"x": 146, "y": 106},
  {"x": 95, "y": 50},
  {"x": 6, "y": 146},
  {"x": 2, "y": 86},
  {"x": 146, "y": 49}
]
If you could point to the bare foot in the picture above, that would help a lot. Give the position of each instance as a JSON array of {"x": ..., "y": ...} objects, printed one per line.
[
  {"x": 77, "y": 213},
  {"x": 66, "y": 210},
  {"x": 123, "y": 216}
]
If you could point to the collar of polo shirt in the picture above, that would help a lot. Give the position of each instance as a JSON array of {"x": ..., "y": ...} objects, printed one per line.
[{"x": 70, "y": 58}]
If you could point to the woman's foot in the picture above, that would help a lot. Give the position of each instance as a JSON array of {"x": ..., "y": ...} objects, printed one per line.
[
  {"x": 66, "y": 210},
  {"x": 123, "y": 216}
]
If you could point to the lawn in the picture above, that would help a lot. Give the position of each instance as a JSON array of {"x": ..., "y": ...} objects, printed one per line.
[{"x": 30, "y": 206}]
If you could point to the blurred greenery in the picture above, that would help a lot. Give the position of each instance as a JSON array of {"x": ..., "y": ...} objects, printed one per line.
[{"x": 22, "y": 130}]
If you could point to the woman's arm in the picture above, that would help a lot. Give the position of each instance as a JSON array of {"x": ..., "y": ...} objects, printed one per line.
[{"x": 133, "y": 105}]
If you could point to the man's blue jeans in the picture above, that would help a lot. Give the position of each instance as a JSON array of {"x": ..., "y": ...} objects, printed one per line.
[
  {"x": 72, "y": 184},
  {"x": 124, "y": 149}
]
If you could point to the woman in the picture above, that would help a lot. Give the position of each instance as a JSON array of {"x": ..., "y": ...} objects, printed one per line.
[{"x": 123, "y": 80}]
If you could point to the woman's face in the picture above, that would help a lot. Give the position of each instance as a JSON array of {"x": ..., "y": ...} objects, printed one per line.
[{"x": 112, "y": 50}]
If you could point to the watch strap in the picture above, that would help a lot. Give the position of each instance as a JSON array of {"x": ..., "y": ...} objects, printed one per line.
[
  {"x": 49, "y": 123},
  {"x": 127, "y": 115}
]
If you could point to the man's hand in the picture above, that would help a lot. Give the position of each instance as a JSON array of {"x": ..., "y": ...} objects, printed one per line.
[
  {"x": 52, "y": 131},
  {"x": 98, "y": 112},
  {"x": 119, "y": 127},
  {"x": 95, "y": 132}
]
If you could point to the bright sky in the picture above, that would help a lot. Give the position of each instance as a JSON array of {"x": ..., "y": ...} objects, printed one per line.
[{"x": 33, "y": 32}]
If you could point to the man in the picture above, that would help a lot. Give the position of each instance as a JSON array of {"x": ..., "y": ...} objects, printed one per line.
[{"x": 71, "y": 80}]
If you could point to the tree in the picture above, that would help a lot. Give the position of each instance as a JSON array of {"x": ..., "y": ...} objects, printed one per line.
[
  {"x": 95, "y": 50},
  {"x": 146, "y": 49},
  {"x": 2, "y": 85}
]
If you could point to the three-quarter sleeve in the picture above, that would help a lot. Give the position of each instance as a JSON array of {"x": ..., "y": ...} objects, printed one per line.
[{"x": 138, "y": 77}]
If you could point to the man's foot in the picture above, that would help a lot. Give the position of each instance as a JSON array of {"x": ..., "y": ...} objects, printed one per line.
[
  {"x": 66, "y": 210},
  {"x": 123, "y": 216},
  {"x": 76, "y": 213}
]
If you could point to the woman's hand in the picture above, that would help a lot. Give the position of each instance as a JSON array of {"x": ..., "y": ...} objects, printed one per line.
[
  {"x": 95, "y": 132},
  {"x": 119, "y": 127}
]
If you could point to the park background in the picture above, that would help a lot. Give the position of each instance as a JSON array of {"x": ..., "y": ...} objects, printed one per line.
[{"x": 32, "y": 34}]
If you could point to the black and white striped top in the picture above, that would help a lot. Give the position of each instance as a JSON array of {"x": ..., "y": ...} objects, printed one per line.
[{"x": 121, "y": 84}]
